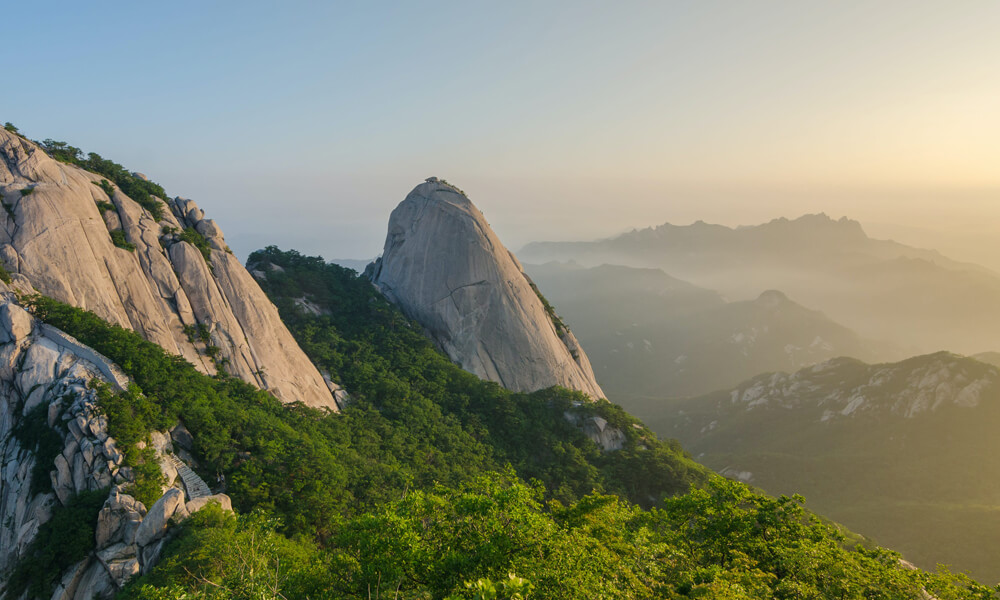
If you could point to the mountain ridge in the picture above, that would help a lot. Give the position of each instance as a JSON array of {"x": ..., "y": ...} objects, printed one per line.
[
  {"x": 877, "y": 288},
  {"x": 160, "y": 268}
]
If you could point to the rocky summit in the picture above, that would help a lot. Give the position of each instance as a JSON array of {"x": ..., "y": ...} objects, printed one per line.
[
  {"x": 74, "y": 236},
  {"x": 445, "y": 268}
]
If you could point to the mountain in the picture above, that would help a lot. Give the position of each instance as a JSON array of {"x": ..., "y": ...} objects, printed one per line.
[
  {"x": 128, "y": 471},
  {"x": 157, "y": 267},
  {"x": 877, "y": 288},
  {"x": 651, "y": 336},
  {"x": 445, "y": 268},
  {"x": 905, "y": 453},
  {"x": 991, "y": 358}
]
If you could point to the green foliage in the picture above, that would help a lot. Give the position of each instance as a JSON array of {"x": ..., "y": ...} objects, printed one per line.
[
  {"x": 510, "y": 588},
  {"x": 10, "y": 127},
  {"x": 561, "y": 328},
  {"x": 217, "y": 555},
  {"x": 61, "y": 542},
  {"x": 723, "y": 541},
  {"x": 290, "y": 460},
  {"x": 118, "y": 239},
  {"x": 191, "y": 236},
  {"x": 453, "y": 186},
  {"x": 4, "y": 274},
  {"x": 348, "y": 506},
  {"x": 27, "y": 191},
  {"x": 109, "y": 190},
  {"x": 32, "y": 431},
  {"x": 198, "y": 332},
  {"x": 389, "y": 366},
  {"x": 131, "y": 416},
  {"x": 144, "y": 192},
  {"x": 106, "y": 186}
]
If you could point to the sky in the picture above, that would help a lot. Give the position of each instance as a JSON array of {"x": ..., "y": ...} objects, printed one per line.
[{"x": 302, "y": 124}]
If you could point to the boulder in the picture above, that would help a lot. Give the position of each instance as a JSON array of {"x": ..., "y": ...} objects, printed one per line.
[
  {"x": 15, "y": 323},
  {"x": 96, "y": 582},
  {"x": 209, "y": 229},
  {"x": 222, "y": 500},
  {"x": 154, "y": 525},
  {"x": 182, "y": 437}
]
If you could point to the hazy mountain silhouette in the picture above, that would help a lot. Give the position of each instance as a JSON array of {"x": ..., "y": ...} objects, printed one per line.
[
  {"x": 880, "y": 289},
  {"x": 652, "y": 336}
]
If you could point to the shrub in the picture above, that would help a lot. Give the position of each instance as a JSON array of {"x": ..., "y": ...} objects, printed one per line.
[
  {"x": 191, "y": 236},
  {"x": 27, "y": 191},
  {"x": 105, "y": 185},
  {"x": 4, "y": 275},
  {"x": 10, "y": 127},
  {"x": 34, "y": 434},
  {"x": 61, "y": 542},
  {"x": 118, "y": 239}
]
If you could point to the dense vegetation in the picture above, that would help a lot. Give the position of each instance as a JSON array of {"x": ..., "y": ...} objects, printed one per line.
[
  {"x": 496, "y": 538},
  {"x": 61, "y": 542},
  {"x": 405, "y": 493},
  {"x": 34, "y": 434},
  {"x": 387, "y": 364},
  {"x": 118, "y": 239}
]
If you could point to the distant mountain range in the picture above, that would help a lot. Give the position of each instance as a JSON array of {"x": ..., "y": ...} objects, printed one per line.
[
  {"x": 879, "y": 448},
  {"x": 912, "y": 297},
  {"x": 651, "y": 336}
]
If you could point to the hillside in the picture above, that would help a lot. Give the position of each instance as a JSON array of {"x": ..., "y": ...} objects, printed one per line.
[
  {"x": 876, "y": 288},
  {"x": 131, "y": 472},
  {"x": 901, "y": 452},
  {"x": 651, "y": 336}
]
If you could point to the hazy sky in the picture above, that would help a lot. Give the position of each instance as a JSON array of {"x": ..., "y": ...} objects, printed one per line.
[{"x": 304, "y": 123}]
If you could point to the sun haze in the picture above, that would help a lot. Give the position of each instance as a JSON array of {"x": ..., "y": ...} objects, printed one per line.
[{"x": 594, "y": 116}]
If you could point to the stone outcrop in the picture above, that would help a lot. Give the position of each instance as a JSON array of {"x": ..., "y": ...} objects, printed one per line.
[
  {"x": 208, "y": 309},
  {"x": 445, "y": 268},
  {"x": 46, "y": 374}
]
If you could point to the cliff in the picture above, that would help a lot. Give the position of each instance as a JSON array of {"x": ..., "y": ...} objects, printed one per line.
[
  {"x": 80, "y": 239},
  {"x": 445, "y": 268}
]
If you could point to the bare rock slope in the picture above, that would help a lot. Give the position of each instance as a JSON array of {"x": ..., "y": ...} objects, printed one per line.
[
  {"x": 445, "y": 267},
  {"x": 57, "y": 231},
  {"x": 46, "y": 375}
]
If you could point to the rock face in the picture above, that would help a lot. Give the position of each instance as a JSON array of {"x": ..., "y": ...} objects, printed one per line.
[
  {"x": 207, "y": 309},
  {"x": 45, "y": 374},
  {"x": 445, "y": 268}
]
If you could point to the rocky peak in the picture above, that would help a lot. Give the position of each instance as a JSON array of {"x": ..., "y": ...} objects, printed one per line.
[
  {"x": 75, "y": 236},
  {"x": 771, "y": 299},
  {"x": 445, "y": 268},
  {"x": 846, "y": 388}
]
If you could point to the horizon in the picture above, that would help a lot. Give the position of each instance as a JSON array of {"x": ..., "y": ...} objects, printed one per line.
[{"x": 564, "y": 122}]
